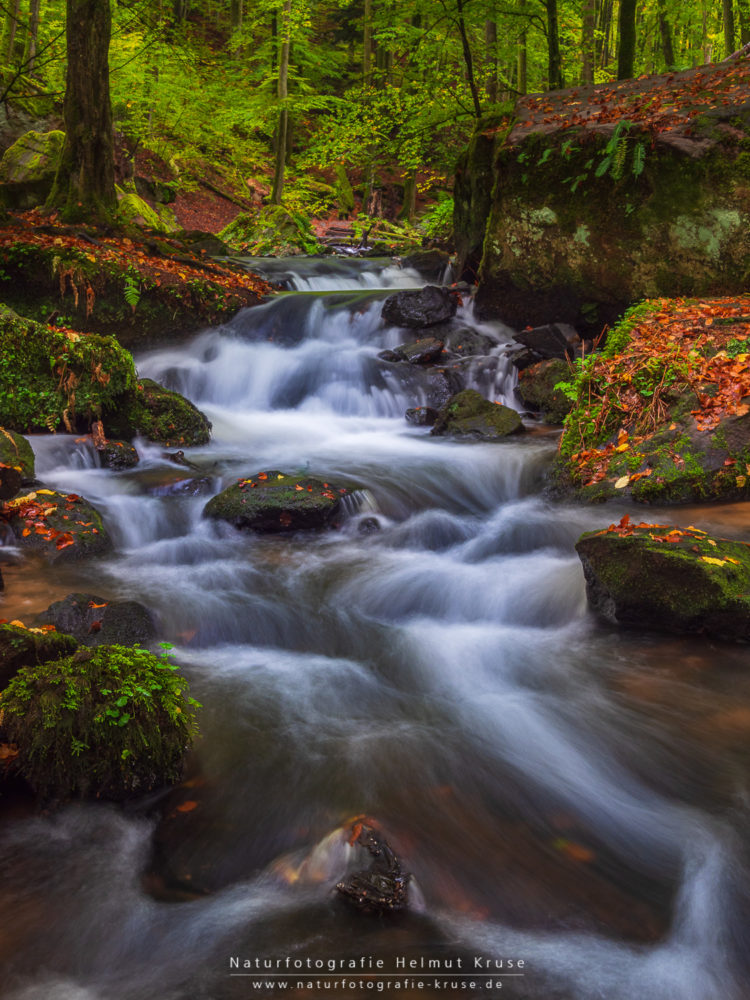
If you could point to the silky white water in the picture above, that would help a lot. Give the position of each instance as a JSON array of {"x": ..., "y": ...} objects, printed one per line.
[{"x": 564, "y": 794}]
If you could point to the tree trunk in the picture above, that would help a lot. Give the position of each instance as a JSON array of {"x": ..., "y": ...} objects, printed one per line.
[
  {"x": 29, "y": 56},
  {"x": 588, "y": 47},
  {"x": 179, "y": 10},
  {"x": 666, "y": 35},
  {"x": 626, "y": 50},
  {"x": 10, "y": 26},
  {"x": 729, "y": 35},
  {"x": 367, "y": 45},
  {"x": 468, "y": 59},
  {"x": 743, "y": 8},
  {"x": 490, "y": 40},
  {"x": 554, "y": 64},
  {"x": 522, "y": 64},
  {"x": 409, "y": 207},
  {"x": 282, "y": 93},
  {"x": 84, "y": 187},
  {"x": 236, "y": 13},
  {"x": 605, "y": 29}
]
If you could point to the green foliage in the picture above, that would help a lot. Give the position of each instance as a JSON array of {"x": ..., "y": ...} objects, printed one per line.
[
  {"x": 49, "y": 376},
  {"x": 438, "y": 222},
  {"x": 110, "y": 722},
  {"x": 132, "y": 291}
]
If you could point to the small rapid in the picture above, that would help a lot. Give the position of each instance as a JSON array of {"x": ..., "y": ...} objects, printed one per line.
[{"x": 564, "y": 794}]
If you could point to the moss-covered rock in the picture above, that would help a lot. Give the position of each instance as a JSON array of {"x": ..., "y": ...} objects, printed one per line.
[
  {"x": 468, "y": 414},
  {"x": 51, "y": 377},
  {"x": 669, "y": 579},
  {"x": 163, "y": 416},
  {"x": 272, "y": 502},
  {"x": 16, "y": 452},
  {"x": 95, "y": 621},
  {"x": 536, "y": 386},
  {"x": 132, "y": 209},
  {"x": 111, "y": 722},
  {"x": 28, "y": 647},
  {"x": 63, "y": 527},
  {"x": 28, "y": 168},
  {"x": 588, "y": 215},
  {"x": 273, "y": 231}
]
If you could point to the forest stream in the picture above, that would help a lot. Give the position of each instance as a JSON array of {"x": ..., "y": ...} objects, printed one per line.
[{"x": 571, "y": 800}]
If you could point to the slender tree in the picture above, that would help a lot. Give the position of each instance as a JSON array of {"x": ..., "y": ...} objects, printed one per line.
[
  {"x": 367, "y": 44},
  {"x": 729, "y": 33},
  {"x": 588, "y": 45},
  {"x": 10, "y": 26},
  {"x": 282, "y": 92},
  {"x": 743, "y": 8},
  {"x": 461, "y": 21},
  {"x": 665, "y": 30},
  {"x": 626, "y": 50},
  {"x": 84, "y": 187},
  {"x": 29, "y": 55},
  {"x": 490, "y": 43},
  {"x": 554, "y": 62}
]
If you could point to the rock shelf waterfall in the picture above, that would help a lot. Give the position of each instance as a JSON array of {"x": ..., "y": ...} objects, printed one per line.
[{"x": 565, "y": 795}]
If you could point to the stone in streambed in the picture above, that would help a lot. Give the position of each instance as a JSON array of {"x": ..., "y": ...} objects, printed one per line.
[
  {"x": 94, "y": 621},
  {"x": 272, "y": 501},
  {"x": 16, "y": 463},
  {"x": 117, "y": 455},
  {"x": 63, "y": 527},
  {"x": 420, "y": 308},
  {"x": 419, "y": 352},
  {"x": 536, "y": 386},
  {"x": 668, "y": 579},
  {"x": 469, "y": 414},
  {"x": 421, "y": 416},
  {"x": 23, "y": 647}
]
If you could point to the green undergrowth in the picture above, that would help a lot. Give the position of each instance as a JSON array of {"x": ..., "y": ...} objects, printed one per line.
[{"x": 107, "y": 722}]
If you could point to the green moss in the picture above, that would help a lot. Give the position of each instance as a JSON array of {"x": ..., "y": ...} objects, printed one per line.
[
  {"x": 272, "y": 230},
  {"x": 468, "y": 414},
  {"x": 162, "y": 416},
  {"x": 28, "y": 167},
  {"x": 63, "y": 527},
  {"x": 16, "y": 452},
  {"x": 110, "y": 722},
  {"x": 50, "y": 377},
  {"x": 22, "y": 647},
  {"x": 131, "y": 208},
  {"x": 273, "y": 501}
]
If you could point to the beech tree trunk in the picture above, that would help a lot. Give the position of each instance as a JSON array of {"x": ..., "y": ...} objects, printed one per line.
[
  {"x": 490, "y": 41},
  {"x": 729, "y": 33},
  {"x": 554, "y": 63},
  {"x": 367, "y": 45},
  {"x": 626, "y": 50},
  {"x": 29, "y": 56},
  {"x": 10, "y": 26},
  {"x": 666, "y": 35},
  {"x": 236, "y": 13},
  {"x": 468, "y": 59},
  {"x": 743, "y": 8},
  {"x": 588, "y": 46},
  {"x": 282, "y": 93},
  {"x": 522, "y": 63},
  {"x": 84, "y": 187}
]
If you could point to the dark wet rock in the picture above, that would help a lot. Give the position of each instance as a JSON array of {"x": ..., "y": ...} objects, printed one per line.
[
  {"x": 419, "y": 352},
  {"x": 23, "y": 647},
  {"x": 368, "y": 526},
  {"x": 193, "y": 487},
  {"x": 178, "y": 457},
  {"x": 554, "y": 340},
  {"x": 273, "y": 501},
  {"x": 209, "y": 243},
  {"x": 668, "y": 579},
  {"x": 384, "y": 887},
  {"x": 94, "y": 621},
  {"x": 467, "y": 342},
  {"x": 523, "y": 358},
  {"x": 421, "y": 416},
  {"x": 117, "y": 455},
  {"x": 469, "y": 414},
  {"x": 420, "y": 308},
  {"x": 63, "y": 527},
  {"x": 390, "y": 356},
  {"x": 536, "y": 386},
  {"x": 10, "y": 481},
  {"x": 431, "y": 264},
  {"x": 164, "y": 416}
]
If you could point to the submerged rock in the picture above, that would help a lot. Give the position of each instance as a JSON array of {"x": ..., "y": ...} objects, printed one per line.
[
  {"x": 536, "y": 386},
  {"x": 384, "y": 887},
  {"x": 421, "y": 307},
  {"x": 669, "y": 579},
  {"x": 469, "y": 414},
  {"x": 24, "y": 647},
  {"x": 63, "y": 527},
  {"x": 273, "y": 501},
  {"x": 94, "y": 621}
]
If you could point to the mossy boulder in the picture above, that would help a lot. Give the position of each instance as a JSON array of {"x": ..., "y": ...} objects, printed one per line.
[
  {"x": 469, "y": 415},
  {"x": 28, "y": 647},
  {"x": 132, "y": 209},
  {"x": 28, "y": 168},
  {"x": 273, "y": 501},
  {"x": 419, "y": 308},
  {"x": 163, "y": 416},
  {"x": 16, "y": 463},
  {"x": 668, "y": 579},
  {"x": 52, "y": 378},
  {"x": 273, "y": 231},
  {"x": 62, "y": 527},
  {"x": 536, "y": 386},
  {"x": 589, "y": 214},
  {"x": 117, "y": 455},
  {"x": 95, "y": 621},
  {"x": 107, "y": 723}
]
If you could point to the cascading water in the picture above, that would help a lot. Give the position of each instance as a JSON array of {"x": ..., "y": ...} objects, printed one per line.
[{"x": 564, "y": 795}]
